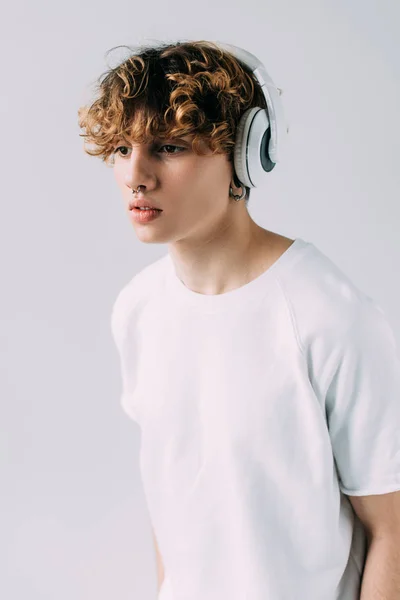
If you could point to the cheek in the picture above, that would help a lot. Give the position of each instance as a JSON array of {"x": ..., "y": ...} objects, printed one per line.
[{"x": 208, "y": 173}]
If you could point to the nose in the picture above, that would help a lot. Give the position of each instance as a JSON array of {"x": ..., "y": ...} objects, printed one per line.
[{"x": 139, "y": 170}]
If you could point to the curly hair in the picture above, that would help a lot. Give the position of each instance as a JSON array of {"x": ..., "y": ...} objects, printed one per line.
[{"x": 172, "y": 89}]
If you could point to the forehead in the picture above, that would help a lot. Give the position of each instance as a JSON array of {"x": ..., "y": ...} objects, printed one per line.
[
  {"x": 145, "y": 126},
  {"x": 158, "y": 137}
]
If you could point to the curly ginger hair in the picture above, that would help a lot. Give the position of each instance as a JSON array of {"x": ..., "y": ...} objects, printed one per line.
[{"x": 169, "y": 90}]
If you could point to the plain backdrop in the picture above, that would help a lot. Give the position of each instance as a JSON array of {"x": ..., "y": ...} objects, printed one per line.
[{"x": 74, "y": 522}]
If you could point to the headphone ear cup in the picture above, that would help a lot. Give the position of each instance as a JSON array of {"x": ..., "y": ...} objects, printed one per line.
[
  {"x": 251, "y": 154},
  {"x": 240, "y": 150}
]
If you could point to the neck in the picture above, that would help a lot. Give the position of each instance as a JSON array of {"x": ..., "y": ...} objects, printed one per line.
[{"x": 222, "y": 260}]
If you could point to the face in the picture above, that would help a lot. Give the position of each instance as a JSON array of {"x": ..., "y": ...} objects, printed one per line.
[{"x": 192, "y": 190}]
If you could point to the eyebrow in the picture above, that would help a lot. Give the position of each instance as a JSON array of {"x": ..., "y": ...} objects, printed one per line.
[
  {"x": 158, "y": 139},
  {"x": 175, "y": 139}
]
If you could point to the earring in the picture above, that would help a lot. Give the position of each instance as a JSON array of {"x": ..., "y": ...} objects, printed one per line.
[{"x": 236, "y": 196}]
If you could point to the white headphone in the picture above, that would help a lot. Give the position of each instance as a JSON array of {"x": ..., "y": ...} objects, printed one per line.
[{"x": 261, "y": 133}]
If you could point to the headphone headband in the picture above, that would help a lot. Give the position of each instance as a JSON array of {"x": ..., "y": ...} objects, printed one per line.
[{"x": 276, "y": 114}]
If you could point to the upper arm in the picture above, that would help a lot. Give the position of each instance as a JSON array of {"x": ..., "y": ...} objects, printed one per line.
[
  {"x": 379, "y": 513},
  {"x": 363, "y": 406},
  {"x": 160, "y": 563}
]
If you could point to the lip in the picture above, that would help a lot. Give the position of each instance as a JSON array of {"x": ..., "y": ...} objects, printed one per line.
[
  {"x": 144, "y": 216},
  {"x": 142, "y": 202}
]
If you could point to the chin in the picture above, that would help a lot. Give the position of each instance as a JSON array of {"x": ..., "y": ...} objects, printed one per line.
[{"x": 148, "y": 236}]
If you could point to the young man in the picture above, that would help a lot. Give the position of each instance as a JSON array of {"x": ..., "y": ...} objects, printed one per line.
[{"x": 265, "y": 383}]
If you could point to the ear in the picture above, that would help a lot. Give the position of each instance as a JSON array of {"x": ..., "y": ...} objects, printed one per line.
[{"x": 236, "y": 181}]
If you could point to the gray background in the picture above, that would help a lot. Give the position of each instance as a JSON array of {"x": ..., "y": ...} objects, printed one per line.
[{"x": 74, "y": 522}]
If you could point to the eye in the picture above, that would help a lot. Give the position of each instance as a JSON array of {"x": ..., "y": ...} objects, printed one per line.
[
  {"x": 179, "y": 148},
  {"x": 116, "y": 151}
]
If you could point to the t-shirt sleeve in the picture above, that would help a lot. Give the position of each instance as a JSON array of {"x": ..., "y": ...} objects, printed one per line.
[
  {"x": 119, "y": 321},
  {"x": 363, "y": 405}
]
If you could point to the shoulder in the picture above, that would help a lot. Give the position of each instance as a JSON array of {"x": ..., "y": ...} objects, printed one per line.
[
  {"x": 134, "y": 294},
  {"x": 322, "y": 297},
  {"x": 331, "y": 316}
]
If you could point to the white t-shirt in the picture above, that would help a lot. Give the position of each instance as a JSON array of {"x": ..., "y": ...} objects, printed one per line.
[{"x": 260, "y": 409}]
